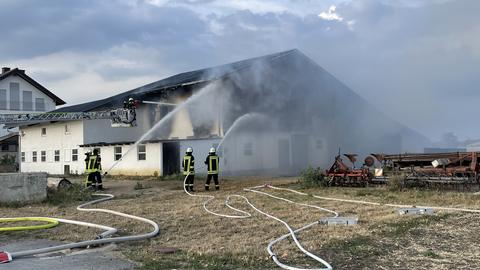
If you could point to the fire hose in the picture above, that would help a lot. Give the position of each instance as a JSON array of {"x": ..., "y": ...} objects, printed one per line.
[
  {"x": 103, "y": 238},
  {"x": 291, "y": 233},
  {"x": 50, "y": 223}
]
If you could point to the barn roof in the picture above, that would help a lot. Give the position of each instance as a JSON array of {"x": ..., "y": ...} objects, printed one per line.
[{"x": 179, "y": 80}]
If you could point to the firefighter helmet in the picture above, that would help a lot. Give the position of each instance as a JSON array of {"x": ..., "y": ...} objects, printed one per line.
[
  {"x": 130, "y": 99},
  {"x": 212, "y": 150},
  {"x": 189, "y": 150}
]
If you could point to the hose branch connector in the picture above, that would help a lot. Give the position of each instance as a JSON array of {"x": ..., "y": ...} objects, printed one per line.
[{"x": 5, "y": 257}]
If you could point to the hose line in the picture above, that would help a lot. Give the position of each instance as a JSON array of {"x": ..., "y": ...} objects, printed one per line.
[
  {"x": 50, "y": 223},
  {"x": 101, "y": 239},
  {"x": 291, "y": 233}
]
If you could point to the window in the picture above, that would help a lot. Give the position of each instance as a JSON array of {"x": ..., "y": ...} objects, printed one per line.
[
  {"x": 44, "y": 131},
  {"x": 23, "y": 156},
  {"x": 14, "y": 96},
  {"x": 27, "y": 101},
  {"x": 57, "y": 155},
  {"x": 74, "y": 154},
  {"x": 43, "y": 156},
  {"x": 117, "y": 155},
  {"x": 3, "y": 99},
  {"x": 40, "y": 104},
  {"x": 142, "y": 152},
  {"x": 34, "y": 156},
  {"x": 67, "y": 129},
  {"x": 5, "y": 147},
  {"x": 248, "y": 149}
]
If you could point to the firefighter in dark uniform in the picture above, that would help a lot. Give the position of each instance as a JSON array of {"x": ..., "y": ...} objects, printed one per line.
[
  {"x": 212, "y": 162},
  {"x": 189, "y": 169},
  {"x": 93, "y": 170}
]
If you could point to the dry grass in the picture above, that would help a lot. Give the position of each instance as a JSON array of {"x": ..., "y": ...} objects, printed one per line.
[{"x": 382, "y": 240}]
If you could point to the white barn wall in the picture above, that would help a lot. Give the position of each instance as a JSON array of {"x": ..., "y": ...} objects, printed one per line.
[
  {"x": 200, "y": 152},
  {"x": 318, "y": 152},
  {"x": 265, "y": 153},
  {"x": 130, "y": 165},
  {"x": 56, "y": 138}
]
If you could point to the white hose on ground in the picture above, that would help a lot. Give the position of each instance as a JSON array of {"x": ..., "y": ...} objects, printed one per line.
[
  {"x": 243, "y": 214},
  {"x": 467, "y": 210},
  {"x": 109, "y": 231},
  {"x": 291, "y": 233}
]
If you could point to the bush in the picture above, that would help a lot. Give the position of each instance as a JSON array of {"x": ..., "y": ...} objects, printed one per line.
[
  {"x": 313, "y": 177},
  {"x": 76, "y": 193},
  {"x": 396, "y": 182},
  {"x": 7, "y": 160}
]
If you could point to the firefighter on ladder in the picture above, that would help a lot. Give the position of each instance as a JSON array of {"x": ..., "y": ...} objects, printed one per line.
[
  {"x": 212, "y": 162},
  {"x": 93, "y": 169},
  {"x": 189, "y": 169}
]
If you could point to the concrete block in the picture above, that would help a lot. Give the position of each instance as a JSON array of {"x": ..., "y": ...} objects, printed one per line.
[
  {"x": 348, "y": 221},
  {"x": 23, "y": 187},
  {"x": 416, "y": 211}
]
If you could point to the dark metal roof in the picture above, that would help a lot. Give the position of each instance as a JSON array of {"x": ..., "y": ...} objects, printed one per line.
[
  {"x": 8, "y": 136},
  {"x": 179, "y": 80},
  {"x": 21, "y": 73}
]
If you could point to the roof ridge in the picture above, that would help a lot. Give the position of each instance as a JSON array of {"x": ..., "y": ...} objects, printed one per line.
[
  {"x": 203, "y": 71},
  {"x": 21, "y": 73}
]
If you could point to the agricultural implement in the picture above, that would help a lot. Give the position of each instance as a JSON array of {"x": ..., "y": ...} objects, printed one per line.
[
  {"x": 341, "y": 174},
  {"x": 431, "y": 169}
]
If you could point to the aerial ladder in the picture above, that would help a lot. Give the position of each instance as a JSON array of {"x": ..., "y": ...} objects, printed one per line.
[{"x": 120, "y": 117}]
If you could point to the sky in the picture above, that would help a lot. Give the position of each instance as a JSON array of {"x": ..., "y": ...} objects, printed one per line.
[{"x": 415, "y": 60}]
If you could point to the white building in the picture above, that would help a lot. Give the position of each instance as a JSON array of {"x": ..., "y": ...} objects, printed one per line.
[
  {"x": 19, "y": 94},
  {"x": 307, "y": 115}
]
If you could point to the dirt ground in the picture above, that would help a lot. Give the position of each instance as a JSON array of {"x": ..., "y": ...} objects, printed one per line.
[{"x": 382, "y": 240}]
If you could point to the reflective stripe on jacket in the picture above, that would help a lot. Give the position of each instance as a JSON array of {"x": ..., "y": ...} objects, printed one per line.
[
  {"x": 94, "y": 164},
  {"x": 188, "y": 165},
  {"x": 212, "y": 162}
]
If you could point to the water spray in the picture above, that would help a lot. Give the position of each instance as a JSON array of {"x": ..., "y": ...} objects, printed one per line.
[
  {"x": 164, "y": 120},
  {"x": 237, "y": 122}
]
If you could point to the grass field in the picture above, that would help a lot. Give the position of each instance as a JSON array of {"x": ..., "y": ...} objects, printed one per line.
[{"x": 382, "y": 240}]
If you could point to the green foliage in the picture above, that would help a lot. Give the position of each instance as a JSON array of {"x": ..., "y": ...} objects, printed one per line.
[
  {"x": 7, "y": 160},
  {"x": 396, "y": 183},
  {"x": 313, "y": 177},
  {"x": 430, "y": 253},
  {"x": 183, "y": 260},
  {"x": 68, "y": 196}
]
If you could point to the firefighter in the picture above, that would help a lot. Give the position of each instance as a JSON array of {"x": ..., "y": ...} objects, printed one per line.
[
  {"x": 212, "y": 162},
  {"x": 93, "y": 170},
  {"x": 189, "y": 169},
  {"x": 131, "y": 103}
]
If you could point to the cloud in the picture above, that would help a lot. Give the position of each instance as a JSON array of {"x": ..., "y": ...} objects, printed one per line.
[
  {"x": 331, "y": 15},
  {"x": 414, "y": 60}
]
